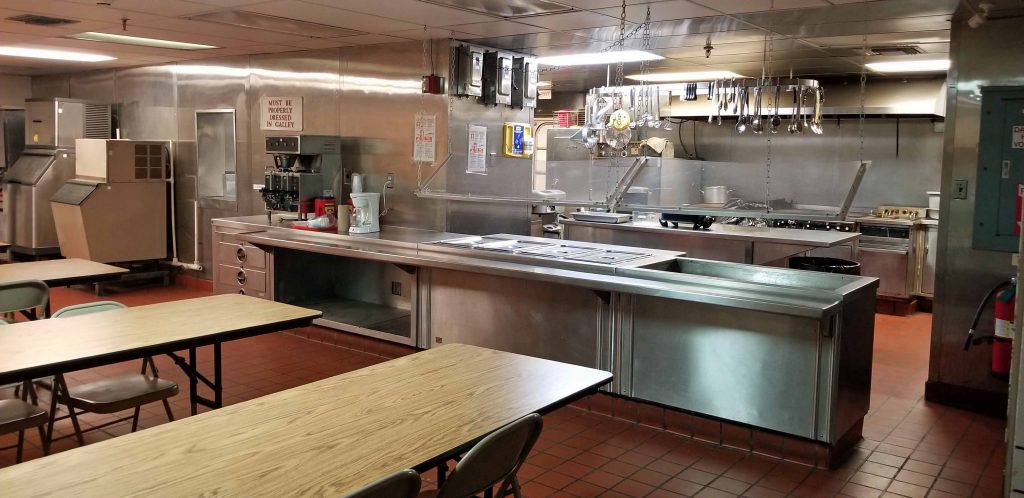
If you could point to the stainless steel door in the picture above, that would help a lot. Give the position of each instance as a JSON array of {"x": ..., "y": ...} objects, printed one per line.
[
  {"x": 890, "y": 266},
  {"x": 931, "y": 243}
]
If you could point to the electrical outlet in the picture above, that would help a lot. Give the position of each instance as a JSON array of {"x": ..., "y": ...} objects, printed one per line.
[
  {"x": 389, "y": 180},
  {"x": 396, "y": 288},
  {"x": 959, "y": 189}
]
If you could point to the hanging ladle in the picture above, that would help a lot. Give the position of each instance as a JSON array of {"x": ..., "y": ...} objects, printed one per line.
[
  {"x": 776, "y": 120},
  {"x": 741, "y": 119},
  {"x": 756, "y": 124},
  {"x": 819, "y": 100},
  {"x": 793, "y": 118}
]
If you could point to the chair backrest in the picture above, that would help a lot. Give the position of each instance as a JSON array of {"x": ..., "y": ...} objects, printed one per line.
[
  {"x": 494, "y": 459},
  {"x": 23, "y": 295},
  {"x": 3, "y": 322},
  {"x": 401, "y": 484},
  {"x": 84, "y": 309}
]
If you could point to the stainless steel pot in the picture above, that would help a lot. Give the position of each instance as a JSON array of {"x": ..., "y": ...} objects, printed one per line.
[{"x": 717, "y": 194}]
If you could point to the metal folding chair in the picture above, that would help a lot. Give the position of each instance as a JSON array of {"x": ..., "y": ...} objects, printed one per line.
[
  {"x": 109, "y": 395},
  {"x": 401, "y": 484},
  {"x": 495, "y": 460},
  {"x": 17, "y": 415},
  {"x": 30, "y": 297}
]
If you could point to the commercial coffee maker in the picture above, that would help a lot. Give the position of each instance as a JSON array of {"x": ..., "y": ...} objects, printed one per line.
[{"x": 305, "y": 168}]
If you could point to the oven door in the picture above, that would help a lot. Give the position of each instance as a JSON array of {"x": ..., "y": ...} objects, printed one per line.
[{"x": 889, "y": 266}]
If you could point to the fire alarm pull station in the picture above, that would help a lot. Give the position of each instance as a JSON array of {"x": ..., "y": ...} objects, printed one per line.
[{"x": 999, "y": 194}]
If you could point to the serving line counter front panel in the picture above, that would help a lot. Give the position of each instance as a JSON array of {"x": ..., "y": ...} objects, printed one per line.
[{"x": 773, "y": 348}]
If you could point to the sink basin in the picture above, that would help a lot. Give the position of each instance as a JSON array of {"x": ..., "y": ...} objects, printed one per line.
[{"x": 671, "y": 270}]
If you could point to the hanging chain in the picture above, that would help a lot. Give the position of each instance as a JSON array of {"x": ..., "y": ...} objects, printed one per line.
[
  {"x": 771, "y": 112},
  {"x": 622, "y": 45},
  {"x": 863, "y": 77}
]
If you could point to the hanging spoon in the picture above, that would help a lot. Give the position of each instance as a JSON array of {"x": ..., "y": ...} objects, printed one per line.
[
  {"x": 819, "y": 101},
  {"x": 741, "y": 122},
  {"x": 800, "y": 122},
  {"x": 756, "y": 124},
  {"x": 792, "y": 118},
  {"x": 714, "y": 105}
]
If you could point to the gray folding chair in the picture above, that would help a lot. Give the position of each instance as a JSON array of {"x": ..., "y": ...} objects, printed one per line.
[
  {"x": 495, "y": 460},
  {"x": 30, "y": 297},
  {"x": 17, "y": 415},
  {"x": 113, "y": 394},
  {"x": 401, "y": 484}
]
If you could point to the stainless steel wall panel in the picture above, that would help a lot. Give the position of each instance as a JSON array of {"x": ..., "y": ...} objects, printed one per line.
[
  {"x": 380, "y": 96},
  {"x": 148, "y": 98},
  {"x": 51, "y": 86},
  {"x": 94, "y": 85},
  {"x": 964, "y": 274}
]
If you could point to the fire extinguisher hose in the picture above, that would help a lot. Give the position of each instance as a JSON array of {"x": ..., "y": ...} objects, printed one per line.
[{"x": 981, "y": 309}]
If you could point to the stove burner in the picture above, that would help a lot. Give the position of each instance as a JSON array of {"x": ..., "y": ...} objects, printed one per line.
[{"x": 839, "y": 226}]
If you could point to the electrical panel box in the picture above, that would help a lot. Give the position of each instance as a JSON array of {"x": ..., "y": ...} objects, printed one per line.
[
  {"x": 1000, "y": 186},
  {"x": 497, "y": 78},
  {"x": 470, "y": 71},
  {"x": 524, "y": 82}
]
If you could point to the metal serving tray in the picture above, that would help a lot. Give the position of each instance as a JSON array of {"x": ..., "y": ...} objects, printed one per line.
[
  {"x": 608, "y": 257},
  {"x": 559, "y": 251}
]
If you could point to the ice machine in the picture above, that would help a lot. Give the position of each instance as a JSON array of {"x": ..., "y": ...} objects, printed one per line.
[{"x": 115, "y": 209}]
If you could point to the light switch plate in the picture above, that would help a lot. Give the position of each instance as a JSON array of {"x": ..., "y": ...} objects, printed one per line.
[{"x": 959, "y": 189}]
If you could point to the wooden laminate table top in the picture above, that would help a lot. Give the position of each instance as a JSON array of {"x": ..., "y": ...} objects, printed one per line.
[
  {"x": 321, "y": 439},
  {"x": 59, "y": 271},
  {"x": 45, "y": 347}
]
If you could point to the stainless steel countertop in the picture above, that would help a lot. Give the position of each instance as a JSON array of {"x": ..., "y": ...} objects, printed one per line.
[
  {"x": 413, "y": 247},
  {"x": 810, "y": 238}
]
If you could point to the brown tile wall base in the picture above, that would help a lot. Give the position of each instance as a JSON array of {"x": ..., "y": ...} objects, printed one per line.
[
  {"x": 989, "y": 403},
  {"x": 354, "y": 342},
  {"x": 722, "y": 433}
]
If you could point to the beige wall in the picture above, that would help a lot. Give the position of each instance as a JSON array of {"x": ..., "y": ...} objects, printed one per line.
[{"x": 15, "y": 89}]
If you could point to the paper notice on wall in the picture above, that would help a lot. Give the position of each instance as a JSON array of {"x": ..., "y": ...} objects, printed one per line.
[
  {"x": 424, "y": 138},
  {"x": 1017, "y": 137},
  {"x": 477, "y": 150},
  {"x": 281, "y": 113}
]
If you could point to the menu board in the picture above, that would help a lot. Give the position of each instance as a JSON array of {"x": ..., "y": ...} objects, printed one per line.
[{"x": 477, "y": 150}]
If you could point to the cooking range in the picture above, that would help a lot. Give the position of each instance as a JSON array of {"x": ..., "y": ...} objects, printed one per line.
[{"x": 886, "y": 248}]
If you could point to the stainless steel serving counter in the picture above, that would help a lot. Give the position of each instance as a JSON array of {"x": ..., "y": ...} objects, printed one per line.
[
  {"x": 750, "y": 344},
  {"x": 740, "y": 244}
]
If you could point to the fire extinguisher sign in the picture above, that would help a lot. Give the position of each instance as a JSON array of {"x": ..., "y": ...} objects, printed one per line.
[{"x": 1020, "y": 202}]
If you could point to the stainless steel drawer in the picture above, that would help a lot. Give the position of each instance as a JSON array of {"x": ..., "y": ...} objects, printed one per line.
[
  {"x": 245, "y": 278},
  {"x": 244, "y": 255},
  {"x": 236, "y": 289},
  {"x": 890, "y": 266}
]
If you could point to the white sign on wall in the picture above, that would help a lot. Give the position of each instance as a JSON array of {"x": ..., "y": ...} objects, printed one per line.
[
  {"x": 281, "y": 113},
  {"x": 1017, "y": 137},
  {"x": 477, "y": 150},
  {"x": 424, "y": 137}
]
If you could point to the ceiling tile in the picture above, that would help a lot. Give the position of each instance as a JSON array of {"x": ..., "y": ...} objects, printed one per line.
[
  {"x": 370, "y": 39},
  {"x": 330, "y": 16},
  {"x": 571, "y": 21},
  {"x": 71, "y": 10},
  {"x": 599, "y": 4},
  {"x": 497, "y": 29},
  {"x": 413, "y": 11},
  {"x": 222, "y": 30},
  {"x": 431, "y": 34},
  {"x": 229, "y": 3},
  {"x": 317, "y": 43},
  {"x": 735, "y": 6},
  {"x": 171, "y": 8},
  {"x": 662, "y": 11},
  {"x": 161, "y": 34}
]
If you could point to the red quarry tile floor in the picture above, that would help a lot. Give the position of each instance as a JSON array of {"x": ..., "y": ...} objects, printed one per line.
[{"x": 911, "y": 448}]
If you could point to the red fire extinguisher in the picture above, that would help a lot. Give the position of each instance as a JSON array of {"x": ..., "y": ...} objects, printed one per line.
[{"x": 1002, "y": 337}]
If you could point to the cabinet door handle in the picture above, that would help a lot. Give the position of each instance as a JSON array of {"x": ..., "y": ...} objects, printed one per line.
[
  {"x": 240, "y": 255},
  {"x": 240, "y": 277}
]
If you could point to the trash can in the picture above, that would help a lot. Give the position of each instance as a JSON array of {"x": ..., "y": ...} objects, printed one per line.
[{"x": 829, "y": 265}]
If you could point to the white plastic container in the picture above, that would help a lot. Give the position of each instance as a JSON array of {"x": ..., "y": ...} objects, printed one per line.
[{"x": 933, "y": 200}]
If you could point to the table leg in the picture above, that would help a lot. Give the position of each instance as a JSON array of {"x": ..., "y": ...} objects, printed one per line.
[
  {"x": 193, "y": 381},
  {"x": 191, "y": 368}
]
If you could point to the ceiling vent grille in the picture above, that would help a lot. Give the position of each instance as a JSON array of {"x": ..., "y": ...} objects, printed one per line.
[
  {"x": 895, "y": 50},
  {"x": 37, "y": 20}
]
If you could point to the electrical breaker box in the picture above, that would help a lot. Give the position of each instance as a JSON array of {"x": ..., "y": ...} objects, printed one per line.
[
  {"x": 524, "y": 82},
  {"x": 1000, "y": 186},
  {"x": 497, "y": 78},
  {"x": 469, "y": 66}
]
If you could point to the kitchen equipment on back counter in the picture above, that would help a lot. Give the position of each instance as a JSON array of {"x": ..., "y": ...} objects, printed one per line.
[
  {"x": 52, "y": 126},
  {"x": 305, "y": 168},
  {"x": 365, "y": 213},
  {"x": 716, "y": 194},
  {"x": 12, "y": 135},
  {"x": 886, "y": 249},
  {"x": 697, "y": 221},
  {"x": 115, "y": 209}
]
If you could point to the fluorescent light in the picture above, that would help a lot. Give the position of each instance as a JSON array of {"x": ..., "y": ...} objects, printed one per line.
[
  {"x": 610, "y": 57},
  {"x": 39, "y": 53},
  {"x": 909, "y": 66},
  {"x": 138, "y": 40},
  {"x": 684, "y": 76}
]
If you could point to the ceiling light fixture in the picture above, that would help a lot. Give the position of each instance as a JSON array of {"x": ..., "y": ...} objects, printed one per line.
[
  {"x": 910, "y": 66},
  {"x": 610, "y": 57},
  {"x": 140, "y": 41},
  {"x": 683, "y": 76},
  {"x": 61, "y": 55}
]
